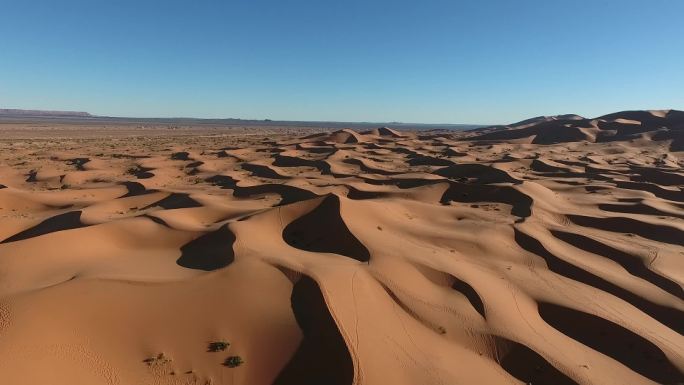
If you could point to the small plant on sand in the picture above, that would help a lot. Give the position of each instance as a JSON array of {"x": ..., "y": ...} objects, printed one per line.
[
  {"x": 233, "y": 361},
  {"x": 159, "y": 359},
  {"x": 218, "y": 346}
]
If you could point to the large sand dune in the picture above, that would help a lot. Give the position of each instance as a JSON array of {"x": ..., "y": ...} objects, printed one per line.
[{"x": 546, "y": 252}]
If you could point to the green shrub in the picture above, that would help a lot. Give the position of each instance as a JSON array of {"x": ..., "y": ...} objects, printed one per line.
[
  {"x": 218, "y": 346},
  {"x": 233, "y": 361}
]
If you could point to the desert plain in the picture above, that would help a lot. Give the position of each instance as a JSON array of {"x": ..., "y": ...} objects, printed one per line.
[{"x": 550, "y": 251}]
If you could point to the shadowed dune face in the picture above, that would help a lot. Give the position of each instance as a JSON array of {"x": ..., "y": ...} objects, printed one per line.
[
  {"x": 549, "y": 252},
  {"x": 61, "y": 222},
  {"x": 175, "y": 201},
  {"x": 664, "y": 314},
  {"x": 613, "y": 340},
  {"x": 631, "y": 263},
  {"x": 210, "y": 251},
  {"x": 470, "y": 293},
  {"x": 323, "y": 230},
  {"x": 322, "y": 357},
  {"x": 528, "y": 366}
]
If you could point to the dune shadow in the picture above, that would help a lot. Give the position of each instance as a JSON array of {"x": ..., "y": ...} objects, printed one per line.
[
  {"x": 657, "y": 176},
  {"x": 369, "y": 169},
  {"x": 292, "y": 161},
  {"x": 632, "y": 264},
  {"x": 478, "y": 173},
  {"x": 613, "y": 340},
  {"x": 527, "y": 365},
  {"x": 210, "y": 251},
  {"x": 135, "y": 189},
  {"x": 322, "y": 356},
  {"x": 443, "y": 279},
  {"x": 288, "y": 194},
  {"x": 654, "y": 189},
  {"x": 470, "y": 293},
  {"x": 262, "y": 171},
  {"x": 660, "y": 233},
  {"x": 637, "y": 208},
  {"x": 175, "y": 201},
  {"x": 67, "y": 221},
  {"x": 323, "y": 230},
  {"x": 424, "y": 160},
  {"x": 182, "y": 155},
  {"x": 665, "y": 315},
  {"x": 356, "y": 194},
  {"x": 467, "y": 193},
  {"x": 402, "y": 183},
  {"x": 223, "y": 181}
]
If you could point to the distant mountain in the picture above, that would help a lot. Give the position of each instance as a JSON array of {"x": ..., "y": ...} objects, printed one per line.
[
  {"x": 42, "y": 113},
  {"x": 15, "y": 115},
  {"x": 658, "y": 125}
]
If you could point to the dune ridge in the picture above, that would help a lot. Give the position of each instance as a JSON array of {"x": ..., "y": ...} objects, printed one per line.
[{"x": 549, "y": 251}]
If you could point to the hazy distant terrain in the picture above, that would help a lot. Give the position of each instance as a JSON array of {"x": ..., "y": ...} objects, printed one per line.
[
  {"x": 28, "y": 116},
  {"x": 9, "y": 112}
]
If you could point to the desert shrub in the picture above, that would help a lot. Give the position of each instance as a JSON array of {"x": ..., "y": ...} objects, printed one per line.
[
  {"x": 159, "y": 359},
  {"x": 218, "y": 346},
  {"x": 233, "y": 361}
]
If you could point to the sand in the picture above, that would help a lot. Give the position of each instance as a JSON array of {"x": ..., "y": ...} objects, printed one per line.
[{"x": 546, "y": 252}]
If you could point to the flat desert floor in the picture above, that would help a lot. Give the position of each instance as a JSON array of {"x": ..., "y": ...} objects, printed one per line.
[{"x": 545, "y": 252}]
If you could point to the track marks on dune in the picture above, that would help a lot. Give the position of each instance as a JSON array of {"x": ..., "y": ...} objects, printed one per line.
[
  {"x": 323, "y": 356},
  {"x": 67, "y": 221},
  {"x": 323, "y": 230},
  {"x": 613, "y": 340},
  {"x": 210, "y": 251}
]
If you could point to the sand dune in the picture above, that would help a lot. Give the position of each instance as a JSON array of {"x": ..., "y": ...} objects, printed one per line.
[
  {"x": 550, "y": 251},
  {"x": 620, "y": 126}
]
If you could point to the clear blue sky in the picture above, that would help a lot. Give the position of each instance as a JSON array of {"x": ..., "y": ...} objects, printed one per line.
[{"x": 450, "y": 61}]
